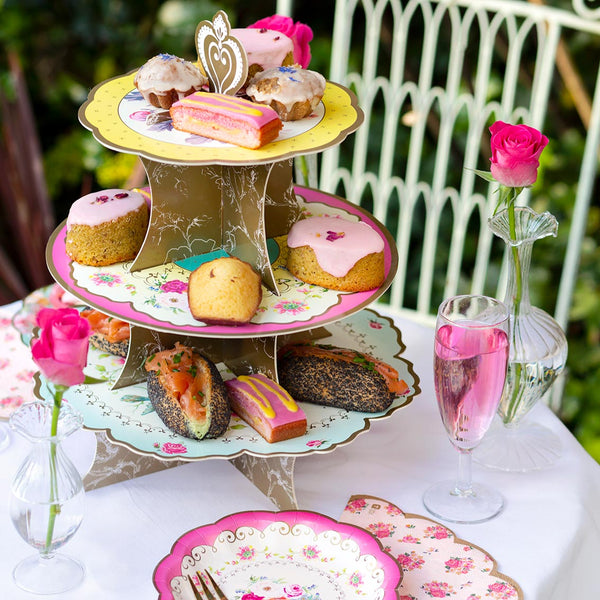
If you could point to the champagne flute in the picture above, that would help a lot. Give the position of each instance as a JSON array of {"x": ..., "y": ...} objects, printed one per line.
[{"x": 470, "y": 362}]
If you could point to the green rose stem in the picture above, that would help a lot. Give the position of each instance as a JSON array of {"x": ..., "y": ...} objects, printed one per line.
[
  {"x": 508, "y": 195},
  {"x": 59, "y": 390}
]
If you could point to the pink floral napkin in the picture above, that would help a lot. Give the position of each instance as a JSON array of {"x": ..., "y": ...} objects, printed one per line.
[
  {"x": 435, "y": 563},
  {"x": 16, "y": 368}
]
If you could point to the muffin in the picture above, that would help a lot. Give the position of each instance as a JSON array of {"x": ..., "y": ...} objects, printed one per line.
[
  {"x": 336, "y": 254},
  {"x": 224, "y": 291},
  {"x": 106, "y": 227},
  {"x": 291, "y": 91},
  {"x": 165, "y": 79}
]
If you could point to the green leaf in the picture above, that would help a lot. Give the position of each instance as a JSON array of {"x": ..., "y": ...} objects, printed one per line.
[
  {"x": 90, "y": 380},
  {"x": 484, "y": 175}
]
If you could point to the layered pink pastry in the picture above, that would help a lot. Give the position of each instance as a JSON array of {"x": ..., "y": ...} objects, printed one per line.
[
  {"x": 266, "y": 407},
  {"x": 226, "y": 118},
  {"x": 336, "y": 253}
]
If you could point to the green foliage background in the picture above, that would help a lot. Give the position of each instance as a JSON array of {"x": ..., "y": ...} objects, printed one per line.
[{"x": 67, "y": 46}]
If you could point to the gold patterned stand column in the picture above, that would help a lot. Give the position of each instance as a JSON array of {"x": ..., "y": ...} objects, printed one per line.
[{"x": 198, "y": 209}]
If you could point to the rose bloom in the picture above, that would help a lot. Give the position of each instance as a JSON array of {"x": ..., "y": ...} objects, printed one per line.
[
  {"x": 300, "y": 34},
  {"x": 516, "y": 150},
  {"x": 293, "y": 590},
  {"x": 61, "y": 350},
  {"x": 176, "y": 286},
  {"x": 173, "y": 448}
]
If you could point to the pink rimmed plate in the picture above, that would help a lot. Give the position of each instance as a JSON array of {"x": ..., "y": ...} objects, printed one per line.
[{"x": 296, "y": 555}]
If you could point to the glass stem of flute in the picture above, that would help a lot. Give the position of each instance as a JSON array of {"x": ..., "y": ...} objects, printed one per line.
[{"x": 463, "y": 477}]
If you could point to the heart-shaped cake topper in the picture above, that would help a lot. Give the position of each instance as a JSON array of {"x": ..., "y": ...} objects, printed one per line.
[{"x": 221, "y": 55}]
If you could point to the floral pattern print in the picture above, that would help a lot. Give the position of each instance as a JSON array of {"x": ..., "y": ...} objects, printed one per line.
[
  {"x": 263, "y": 588},
  {"x": 172, "y": 448},
  {"x": 434, "y": 563},
  {"x": 159, "y": 293},
  {"x": 16, "y": 368}
]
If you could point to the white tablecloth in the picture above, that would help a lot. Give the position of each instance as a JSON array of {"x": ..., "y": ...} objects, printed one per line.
[{"x": 547, "y": 538}]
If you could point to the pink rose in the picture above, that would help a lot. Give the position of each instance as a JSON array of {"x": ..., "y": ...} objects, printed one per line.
[
  {"x": 173, "y": 448},
  {"x": 516, "y": 151},
  {"x": 300, "y": 34},
  {"x": 61, "y": 350},
  {"x": 314, "y": 443},
  {"x": 176, "y": 286},
  {"x": 293, "y": 590}
]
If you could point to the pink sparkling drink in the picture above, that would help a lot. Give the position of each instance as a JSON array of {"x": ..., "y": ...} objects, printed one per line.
[{"x": 469, "y": 373}]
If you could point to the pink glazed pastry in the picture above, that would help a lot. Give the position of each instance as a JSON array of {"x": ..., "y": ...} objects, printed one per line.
[
  {"x": 266, "y": 407},
  {"x": 336, "y": 254},
  {"x": 226, "y": 118},
  {"x": 265, "y": 49},
  {"x": 106, "y": 227}
]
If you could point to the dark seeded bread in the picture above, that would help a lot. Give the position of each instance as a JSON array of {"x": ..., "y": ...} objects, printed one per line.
[
  {"x": 98, "y": 340},
  {"x": 218, "y": 411},
  {"x": 333, "y": 382}
]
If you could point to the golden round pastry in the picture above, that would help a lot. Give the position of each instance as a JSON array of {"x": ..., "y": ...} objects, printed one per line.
[
  {"x": 224, "y": 291},
  {"x": 106, "y": 227},
  {"x": 291, "y": 91},
  {"x": 336, "y": 254},
  {"x": 165, "y": 79}
]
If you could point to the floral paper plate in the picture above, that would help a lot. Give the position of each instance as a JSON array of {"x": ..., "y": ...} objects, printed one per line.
[
  {"x": 122, "y": 120},
  {"x": 127, "y": 416},
  {"x": 156, "y": 297},
  {"x": 295, "y": 555},
  {"x": 16, "y": 368},
  {"x": 435, "y": 563}
]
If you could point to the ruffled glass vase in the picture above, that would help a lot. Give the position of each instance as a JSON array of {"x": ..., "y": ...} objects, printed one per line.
[
  {"x": 538, "y": 354},
  {"x": 46, "y": 504}
]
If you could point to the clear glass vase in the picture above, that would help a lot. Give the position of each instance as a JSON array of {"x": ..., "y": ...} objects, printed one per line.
[
  {"x": 538, "y": 354},
  {"x": 47, "y": 496}
]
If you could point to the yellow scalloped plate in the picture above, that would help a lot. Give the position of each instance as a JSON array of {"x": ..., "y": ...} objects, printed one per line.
[{"x": 107, "y": 113}]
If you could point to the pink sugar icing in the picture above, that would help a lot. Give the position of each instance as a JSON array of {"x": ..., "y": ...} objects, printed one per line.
[
  {"x": 103, "y": 206},
  {"x": 264, "y": 398},
  {"x": 252, "y": 113},
  {"x": 338, "y": 244},
  {"x": 264, "y": 47}
]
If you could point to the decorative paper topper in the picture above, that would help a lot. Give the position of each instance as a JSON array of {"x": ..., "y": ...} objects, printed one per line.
[{"x": 222, "y": 56}]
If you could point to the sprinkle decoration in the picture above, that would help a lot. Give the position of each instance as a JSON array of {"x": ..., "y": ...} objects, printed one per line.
[
  {"x": 332, "y": 236},
  {"x": 105, "y": 199}
]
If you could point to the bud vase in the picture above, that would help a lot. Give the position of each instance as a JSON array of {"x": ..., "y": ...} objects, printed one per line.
[
  {"x": 538, "y": 354},
  {"x": 46, "y": 504}
]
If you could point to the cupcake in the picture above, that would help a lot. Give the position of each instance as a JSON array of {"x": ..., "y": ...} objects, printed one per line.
[
  {"x": 291, "y": 91},
  {"x": 165, "y": 79},
  {"x": 264, "y": 48},
  {"x": 106, "y": 227}
]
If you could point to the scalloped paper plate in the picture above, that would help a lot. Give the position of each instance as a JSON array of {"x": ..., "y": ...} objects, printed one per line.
[
  {"x": 117, "y": 115},
  {"x": 128, "y": 418},
  {"x": 435, "y": 563},
  {"x": 156, "y": 298},
  {"x": 297, "y": 555}
]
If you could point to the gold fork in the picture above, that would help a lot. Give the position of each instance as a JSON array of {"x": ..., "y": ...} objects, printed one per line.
[{"x": 208, "y": 595}]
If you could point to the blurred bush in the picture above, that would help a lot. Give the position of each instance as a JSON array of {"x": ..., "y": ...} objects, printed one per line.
[{"x": 66, "y": 47}]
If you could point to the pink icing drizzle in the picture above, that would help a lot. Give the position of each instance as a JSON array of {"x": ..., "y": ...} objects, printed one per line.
[
  {"x": 103, "y": 206},
  {"x": 338, "y": 244}
]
